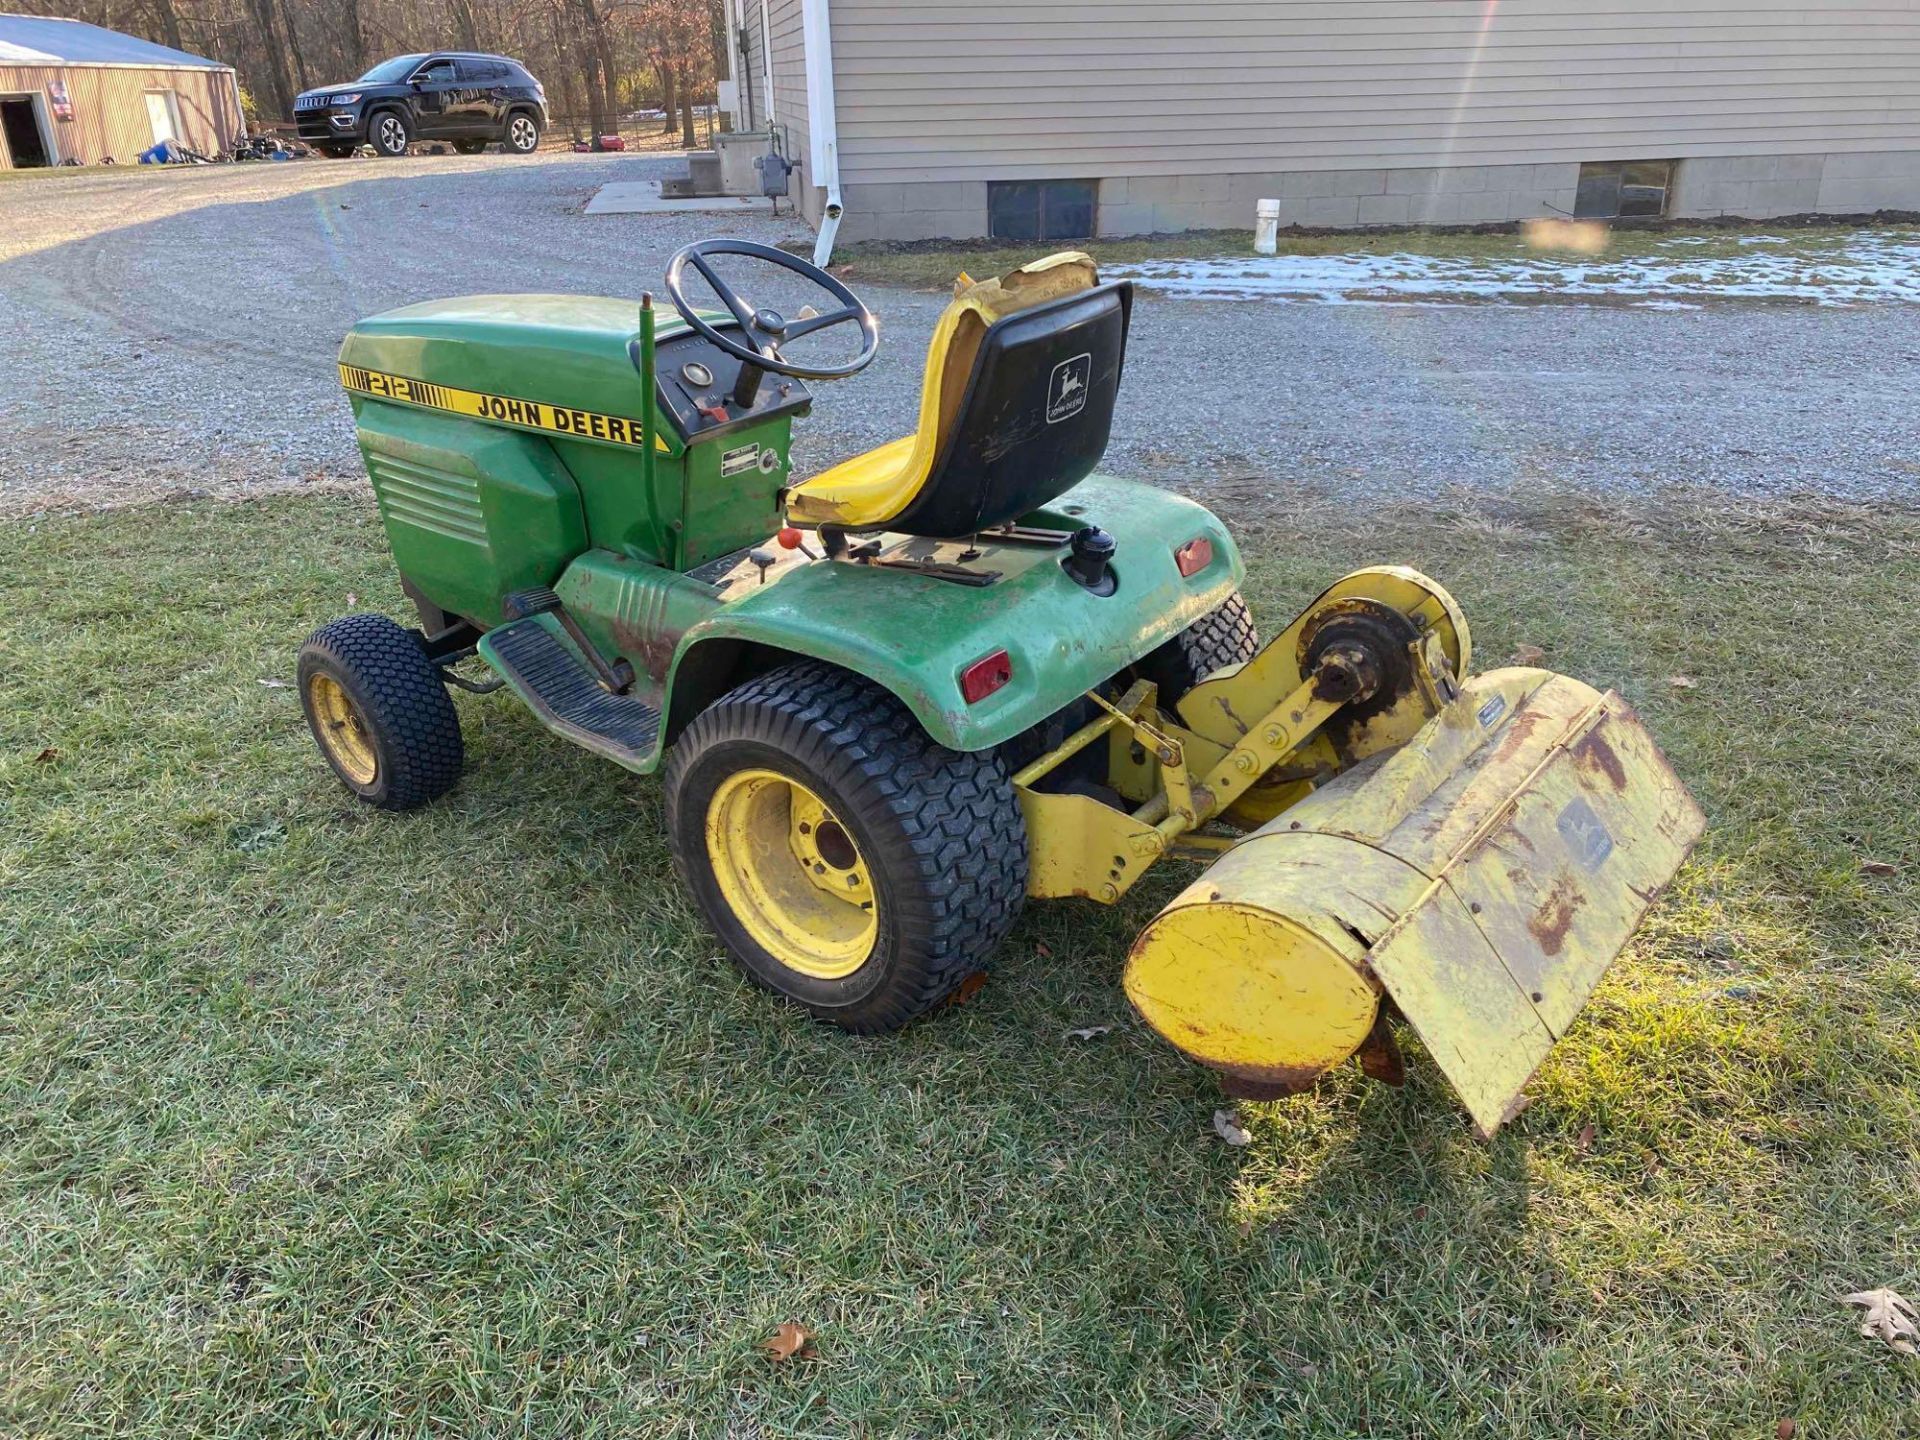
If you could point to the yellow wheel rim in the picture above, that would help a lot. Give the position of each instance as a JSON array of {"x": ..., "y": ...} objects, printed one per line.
[
  {"x": 791, "y": 874},
  {"x": 343, "y": 734}
]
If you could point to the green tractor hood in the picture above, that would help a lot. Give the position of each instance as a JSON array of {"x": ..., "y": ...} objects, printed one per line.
[{"x": 570, "y": 353}]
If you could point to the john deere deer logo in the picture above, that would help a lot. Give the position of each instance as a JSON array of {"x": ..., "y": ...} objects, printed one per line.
[
  {"x": 1067, "y": 388},
  {"x": 1586, "y": 835}
]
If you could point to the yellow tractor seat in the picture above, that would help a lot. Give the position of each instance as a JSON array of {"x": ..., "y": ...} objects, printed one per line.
[{"x": 1015, "y": 408}]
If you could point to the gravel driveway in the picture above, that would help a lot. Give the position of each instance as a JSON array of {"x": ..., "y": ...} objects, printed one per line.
[{"x": 176, "y": 330}]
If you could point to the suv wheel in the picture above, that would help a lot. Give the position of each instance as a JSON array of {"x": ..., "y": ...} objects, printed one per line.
[
  {"x": 388, "y": 134},
  {"x": 523, "y": 134}
]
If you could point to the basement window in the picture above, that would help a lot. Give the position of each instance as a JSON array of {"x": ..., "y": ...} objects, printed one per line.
[
  {"x": 1040, "y": 209},
  {"x": 1623, "y": 189}
]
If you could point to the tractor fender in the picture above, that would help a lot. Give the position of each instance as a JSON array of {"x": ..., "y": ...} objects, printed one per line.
[{"x": 914, "y": 634}]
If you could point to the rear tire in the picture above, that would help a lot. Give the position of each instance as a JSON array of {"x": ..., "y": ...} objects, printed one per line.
[
  {"x": 1223, "y": 636},
  {"x": 933, "y": 838},
  {"x": 379, "y": 712},
  {"x": 389, "y": 134},
  {"x": 522, "y": 136}
]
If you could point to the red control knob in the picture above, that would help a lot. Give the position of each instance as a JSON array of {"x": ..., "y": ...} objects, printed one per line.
[{"x": 789, "y": 538}]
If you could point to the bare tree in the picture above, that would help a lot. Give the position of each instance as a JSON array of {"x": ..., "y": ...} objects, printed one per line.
[
  {"x": 597, "y": 56},
  {"x": 680, "y": 34}
]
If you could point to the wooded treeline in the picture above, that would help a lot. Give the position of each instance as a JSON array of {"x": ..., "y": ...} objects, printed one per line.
[{"x": 597, "y": 58}]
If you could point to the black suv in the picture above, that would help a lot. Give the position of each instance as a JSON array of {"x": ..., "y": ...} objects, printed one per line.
[{"x": 469, "y": 100}]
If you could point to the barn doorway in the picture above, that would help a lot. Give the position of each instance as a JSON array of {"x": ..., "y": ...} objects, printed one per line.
[
  {"x": 163, "y": 115},
  {"x": 26, "y": 141}
]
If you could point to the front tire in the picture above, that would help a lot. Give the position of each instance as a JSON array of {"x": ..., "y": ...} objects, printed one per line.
[
  {"x": 523, "y": 134},
  {"x": 389, "y": 135},
  {"x": 845, "y": 860},
  {"x": 379, "y": 712}
]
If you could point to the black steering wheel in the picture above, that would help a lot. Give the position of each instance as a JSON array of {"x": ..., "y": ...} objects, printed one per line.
[{"x": 769, "y": 329}]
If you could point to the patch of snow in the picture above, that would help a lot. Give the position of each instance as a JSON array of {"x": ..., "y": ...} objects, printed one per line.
[{"x": 1865, "y": 268}]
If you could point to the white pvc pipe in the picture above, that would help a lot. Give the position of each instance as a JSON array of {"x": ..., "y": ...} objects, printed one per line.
[
  {"x": 823, "y": 135},
  {"x": 1266, "y": 226}
]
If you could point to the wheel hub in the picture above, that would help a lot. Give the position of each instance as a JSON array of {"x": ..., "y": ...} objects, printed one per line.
[
  {"x": 342, "y": 731},
  {"x": 792, "y": 874}
]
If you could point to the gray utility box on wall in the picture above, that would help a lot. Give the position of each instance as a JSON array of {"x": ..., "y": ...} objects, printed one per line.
[{"x": 775, "y": 172}]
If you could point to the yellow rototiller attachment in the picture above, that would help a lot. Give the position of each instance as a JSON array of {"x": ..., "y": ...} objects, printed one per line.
[
  {"x": 1472, "y": 855},
  {"x": 891, "y": 700}
]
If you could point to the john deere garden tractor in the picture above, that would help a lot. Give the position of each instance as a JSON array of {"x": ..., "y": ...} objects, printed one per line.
[{"x": 892, "y": 701}]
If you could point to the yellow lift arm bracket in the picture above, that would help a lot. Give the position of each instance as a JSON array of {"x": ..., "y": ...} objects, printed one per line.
[
  {"x": 1082, "y": 847},
  {"x": 1255, "y": 743}
]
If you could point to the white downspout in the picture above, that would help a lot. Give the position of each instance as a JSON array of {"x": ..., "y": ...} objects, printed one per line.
[{"x": 823, "y": 137}]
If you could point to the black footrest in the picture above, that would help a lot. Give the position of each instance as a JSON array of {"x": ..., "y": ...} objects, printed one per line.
[{"x": 560, "y": 686}]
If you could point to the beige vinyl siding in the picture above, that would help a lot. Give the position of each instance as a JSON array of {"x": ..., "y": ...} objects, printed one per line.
[
  {"x": 790, "y": 88},
  {"x": 110, "y": 108},
  {"x": 1072, "y": 88},
  {"x": 750, "y": 67}
]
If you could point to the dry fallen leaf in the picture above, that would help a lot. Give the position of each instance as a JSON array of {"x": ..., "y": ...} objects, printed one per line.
[
  {"x": 1683, "y": 682},
  {"x": 352, "y": 599},
  {"x": 1878, "y": 867},
  {"x": 787, "y": 1341},
  {"x": 1043, "y": 950},
  {"x": 1585, "y": 1142},
  {"x": 1890, "y": 1316},
  {"x": 46, "y": 756},
  {"x": 276, "y": 684},
  {"x": 1092, "y": 1032},
  {"x": 1785, "y": 1430},
  {"x": 1527, "y": 655},
  {"x": 1227, "y": 1126}
]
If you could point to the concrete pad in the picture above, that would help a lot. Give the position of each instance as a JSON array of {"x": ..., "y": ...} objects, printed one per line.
[{"x": 642, "y": 197}]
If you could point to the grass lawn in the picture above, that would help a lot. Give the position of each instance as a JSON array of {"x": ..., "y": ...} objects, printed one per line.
[
  {"x": 318, "y": 1120},
  {"x": 933, "y": 264}
]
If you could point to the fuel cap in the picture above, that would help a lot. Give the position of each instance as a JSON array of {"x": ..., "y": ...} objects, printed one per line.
[{"x": 1090, "y": 555}]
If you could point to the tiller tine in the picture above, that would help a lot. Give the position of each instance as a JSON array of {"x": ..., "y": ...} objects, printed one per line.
[{"x": 1481, "y": 877}]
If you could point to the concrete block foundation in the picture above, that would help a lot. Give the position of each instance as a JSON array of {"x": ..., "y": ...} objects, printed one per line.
[{"x": 1754, "y": 187}]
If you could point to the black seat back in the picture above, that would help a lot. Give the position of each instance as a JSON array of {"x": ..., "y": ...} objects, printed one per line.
[{"x": 1034, "y": 418}]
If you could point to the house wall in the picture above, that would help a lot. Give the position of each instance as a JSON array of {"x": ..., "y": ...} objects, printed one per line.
[
  {"x": 110, "y": 108},
  {"x": 788, "y": 95},
  {"x": 1356, "y": 112}
]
